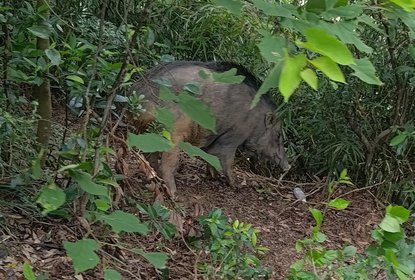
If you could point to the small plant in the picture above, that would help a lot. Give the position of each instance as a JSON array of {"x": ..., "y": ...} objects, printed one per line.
[
  {"x": 229, "y": 248},
  {"x": 392, "y": 254},
  {"x": 159, "y": 216}
]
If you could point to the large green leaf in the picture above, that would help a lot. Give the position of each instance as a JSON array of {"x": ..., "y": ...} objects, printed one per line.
[
  {"x": 75, "y": 78},
  {"x": 166, "y": 94},
  {"x": 126, "y": 222},
  {"x": 398, "y": 139},
  {"x": 316, "y": 6},
  {"x": 274, "y": 9},
  {"x": 339, "y": 203},
  {"x": 233, "y": 6},
  {"x": 319, "y": 41},
  {"x": 407, "y": 5},
  {"x": 54, "y": 56},
  {"x": 310, "y": 78},
  {"x": 165, "y": 116},
  {"x": 197, "y": 110},
  {"x": 346, "y": 32},
  {"x": 271, "y": 47},
  {"x": 111, "y": 274},
  {"x": 290, "y": 75},
  {"x": 390, "y": 224},
  {"x": 228, "y": 77},
  {"x": 328, "y": 67},
  {"x": 195, "y": 151},
  {"x": 149, "y": 142},
  {"x": 28, "y": 271},
  {"x": 158, "y": 259},
  {"x": 365, "y": 71},
  {"x": 346, "y": 12},
  {"x": 51, "y": 198},
  {"x": 41, "y": 31},
  {"x": 82, "y": 253},
  {"x": 86, "y": 183},
  {"x": 271, "y": 81},
  {"x": 398, "y": 212},
  {"x": 318, "y": 217}
]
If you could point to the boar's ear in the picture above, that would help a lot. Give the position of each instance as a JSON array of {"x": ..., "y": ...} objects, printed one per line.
[{"x": 270, "y": 119}]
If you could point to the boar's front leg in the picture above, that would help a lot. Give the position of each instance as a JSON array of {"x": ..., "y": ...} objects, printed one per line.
[
  {"x": 168, "y": 166},
  {"x": 226, "y": 157}
]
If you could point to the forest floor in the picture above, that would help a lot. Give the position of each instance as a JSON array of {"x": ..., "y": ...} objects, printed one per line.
[
  {"x": 262, "y": 202},
  {"x": 268, "y": 204}
]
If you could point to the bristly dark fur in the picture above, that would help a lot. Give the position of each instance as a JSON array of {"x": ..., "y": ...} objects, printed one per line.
[{"x": 218, "y": 66}]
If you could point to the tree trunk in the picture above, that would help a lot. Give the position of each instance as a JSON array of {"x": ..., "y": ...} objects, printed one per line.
[{"x": 43, "y": 95}]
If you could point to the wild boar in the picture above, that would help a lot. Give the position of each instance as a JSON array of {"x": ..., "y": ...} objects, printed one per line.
[{"x": 237, "y": 125}]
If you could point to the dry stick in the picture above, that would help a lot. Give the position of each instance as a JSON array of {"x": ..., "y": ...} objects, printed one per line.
[
  {"x": 119, "y": 261},
  {"x": 88, "y": 111}
]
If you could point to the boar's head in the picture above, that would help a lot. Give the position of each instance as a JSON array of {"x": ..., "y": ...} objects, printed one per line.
[{"x": 268, "y": 141}]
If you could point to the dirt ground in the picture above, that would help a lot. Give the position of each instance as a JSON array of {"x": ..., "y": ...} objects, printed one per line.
[{"x": 268, "y": 204}]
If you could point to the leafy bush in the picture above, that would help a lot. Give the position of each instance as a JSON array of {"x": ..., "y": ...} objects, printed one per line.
[{"x": 229, "y": 247}]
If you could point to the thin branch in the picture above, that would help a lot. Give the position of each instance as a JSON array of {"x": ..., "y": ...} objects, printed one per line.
[{"x": 118, "y": 81}]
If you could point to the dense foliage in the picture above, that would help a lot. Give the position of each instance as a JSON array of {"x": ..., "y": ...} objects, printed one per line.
[{"x": 346, "y": 71}]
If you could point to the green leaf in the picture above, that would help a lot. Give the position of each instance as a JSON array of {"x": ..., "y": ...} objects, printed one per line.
[
  {"x": 271, "y": 47},
  {"x": 102, "y": 205},
  {"x": 319, "y": 41},
  {"x": 75, "y": 78},
  {"x": 328, "y": 67},
  {"x": 290, "y": 75},
  {"x": 233, "y": 6},
  {"x": 349, "y": 251},
  {"x": 86, "y": 183},
  {"x": 54, "y": 56},
  {"x": 398, "y": 212},
  {"x": 162, "y": 81},
  {"x": 271, "y": 81},
  {"x": 166, "y": 94},
  {"x": 51, "y": 198},
  {"x": 41, "y": 31},
  {"x": 310, "y": 78},
  {"x": 111, "y": 274},
  {"x": 165, "y": 116},
  {"x": 339, "y": 203},
  {"x": 193, "y": 87},
  {"x": 228, "y": 77},
  {"x": 398, "y": 139},
  {"x": 274, "y": 9},
  {"x": 407, "y": 5},
  {"x": 197, "y": 110},
  {"x": 390, "y": 224},
  {"x": 316, "y": 6},
  {"x": 82, "y": 254},
  {"x": 158, "y": 259},
  {"x": 345, "y": 12},
  {"x": 149, "y": 142},
  {"x": 365, "y": 71},
  {"x": 319, "y": 236},
  {"x": 28, "y": 271},
  {"x": 318, "y": 217},
  {"x": 193, "y": 151},
  {"x": 126, "y": 222}
]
